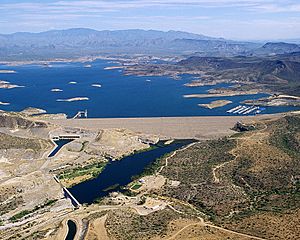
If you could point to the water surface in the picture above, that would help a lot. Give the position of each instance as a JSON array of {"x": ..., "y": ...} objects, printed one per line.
[
  {"x": 71, "y": 230},
  {"x": 119, "y": 173},
  {"x": 118, "y": 96}
]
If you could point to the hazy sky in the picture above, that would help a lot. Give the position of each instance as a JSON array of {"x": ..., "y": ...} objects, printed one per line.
[{"x": 235, "y": 19}]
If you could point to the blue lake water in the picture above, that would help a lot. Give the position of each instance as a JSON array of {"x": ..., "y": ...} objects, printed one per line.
[{"x": 119, "y": 96}]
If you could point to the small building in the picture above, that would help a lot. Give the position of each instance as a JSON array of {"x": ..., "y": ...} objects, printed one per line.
[{"x": 142, "y": 181}]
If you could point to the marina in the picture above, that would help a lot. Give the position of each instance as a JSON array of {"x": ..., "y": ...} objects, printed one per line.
[{"x": 246, "y": 110}]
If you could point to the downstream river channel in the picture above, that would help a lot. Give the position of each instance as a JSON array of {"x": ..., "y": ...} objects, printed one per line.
[
  {"x": 119, "y": 173},
  {"x": 71, "y": 230}
]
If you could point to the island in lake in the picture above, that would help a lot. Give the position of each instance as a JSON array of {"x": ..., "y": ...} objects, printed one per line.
[
  {"x": 215, "y": 104},
  {"x": 4, "y": 103},
  {"x": 56, "y": 90},
  {"x": 96, "y": 85},
  {"x": 73, "y": 99},
  {"x": 8, "y": 85},
  {"x": 7, "y": 71}
]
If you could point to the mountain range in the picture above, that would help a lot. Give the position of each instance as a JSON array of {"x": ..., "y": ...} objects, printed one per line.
[{"x": 79, "y": 42}]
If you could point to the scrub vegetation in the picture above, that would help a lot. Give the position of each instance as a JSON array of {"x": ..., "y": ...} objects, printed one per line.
[
  {"x": 24, "y": 213},
  {"x": 79, "y": 174}
]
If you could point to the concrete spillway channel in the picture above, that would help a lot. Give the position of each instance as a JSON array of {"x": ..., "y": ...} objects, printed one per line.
[
  {"x": 67, "y": 193},
  {"x": 60, "y": 141}
]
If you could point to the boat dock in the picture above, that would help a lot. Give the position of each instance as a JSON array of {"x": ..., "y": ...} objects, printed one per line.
[
  {"x": 245, "y": 110},
  {"x": 233, "y": 109}
]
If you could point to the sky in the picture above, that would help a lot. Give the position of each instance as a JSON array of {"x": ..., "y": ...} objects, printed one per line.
[{"x": 231, "y": 19}]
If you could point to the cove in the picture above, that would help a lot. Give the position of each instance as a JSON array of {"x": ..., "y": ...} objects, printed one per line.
[
  {"x": 71, "y": 230},
  {"x": 119, "y": 173}
]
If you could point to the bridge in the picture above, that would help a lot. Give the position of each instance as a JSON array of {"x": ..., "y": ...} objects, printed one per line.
[{"x": 65, "y": 137}]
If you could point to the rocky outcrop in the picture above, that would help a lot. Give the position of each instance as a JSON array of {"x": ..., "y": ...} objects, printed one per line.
[{"x": 241, "y": 127}]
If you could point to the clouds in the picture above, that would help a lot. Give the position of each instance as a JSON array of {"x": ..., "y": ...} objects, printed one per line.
[
  {"x": 117, "y": 5},
  {"x": 201, "y": 16}
]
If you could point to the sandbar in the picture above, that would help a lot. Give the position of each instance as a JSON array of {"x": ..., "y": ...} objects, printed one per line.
[
  {"x": 7, "y": 71},
  {"x": 224, "y": 94},
  {"x": 113, "y": 67}
]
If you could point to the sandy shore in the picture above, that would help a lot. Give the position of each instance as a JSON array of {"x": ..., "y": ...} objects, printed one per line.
[{"x": 170, "y": 127}]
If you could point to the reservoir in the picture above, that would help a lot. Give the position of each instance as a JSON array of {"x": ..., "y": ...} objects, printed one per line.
[
  {"x": 109, "y": 93},
  {"x": 120, "y": 172},
  {"x": 71, "y": 230}
]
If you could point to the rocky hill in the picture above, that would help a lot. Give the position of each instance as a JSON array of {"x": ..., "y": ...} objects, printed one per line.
[
  {"x": 244, "y": 182},
  {"x": 15, "y": 121},
  {"x": 278, "y": 73},
  {"x": 273, "y": 48}
]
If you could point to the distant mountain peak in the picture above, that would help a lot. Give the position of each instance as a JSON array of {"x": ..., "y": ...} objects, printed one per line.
[{"x": 77, "y": 42}]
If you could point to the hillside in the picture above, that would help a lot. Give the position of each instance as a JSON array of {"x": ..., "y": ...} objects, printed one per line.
[
  {"x": 241, "y": 187},
  {"x": 279, "y": 73},
  {"x": 273, "y": 48},
  {"x": 243, "y": 182}
]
